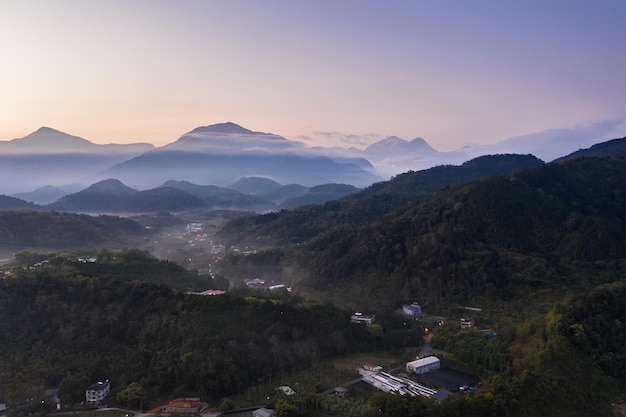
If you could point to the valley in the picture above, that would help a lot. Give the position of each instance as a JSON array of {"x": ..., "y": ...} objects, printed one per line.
[{"x": 504, "y": 268}]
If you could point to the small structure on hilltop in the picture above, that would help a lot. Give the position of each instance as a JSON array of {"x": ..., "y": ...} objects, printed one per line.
[{"x": 423, "y": 365}]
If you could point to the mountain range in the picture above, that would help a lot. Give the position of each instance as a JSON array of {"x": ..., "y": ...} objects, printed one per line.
[
  {"x": 113, "y": 196},
  {"x": 537, "y": 249},
  {"x": 222, "y": 154}
]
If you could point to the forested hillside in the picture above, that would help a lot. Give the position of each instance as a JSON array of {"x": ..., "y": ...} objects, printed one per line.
[
  {"x": 302, "y": 224},
  {"x": 50, "y": 230},
  {"x": 125, "y": 265},
  {"x": 62, "y": 327},
  {"x": 556, "y": 226},
  {"x": 543, "y": 251}
]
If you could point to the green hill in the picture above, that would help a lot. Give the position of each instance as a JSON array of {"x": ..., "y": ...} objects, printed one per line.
[
  {"x": 67, "y": 324},
  {"x": 302, "y": 224},
  {"x": 112, "y": 196},
  {"x": 559, "y": 225},
  {"x": 542, "y": 254},
  {"x": 50, "y": 230}
]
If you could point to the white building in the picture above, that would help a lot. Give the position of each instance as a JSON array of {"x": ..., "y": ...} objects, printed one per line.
[
  {"x": 363, "y": 318},
  {"x": 263, "y": 412},
  {"x": 412, "y": 309},
  {"x": 423, "y": 365},
  {"x": 97, "y": 392},
  {"x": 467, "y": 322}
]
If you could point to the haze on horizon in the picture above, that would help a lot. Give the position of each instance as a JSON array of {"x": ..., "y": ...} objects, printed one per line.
[{"x": 325, "y": 73}]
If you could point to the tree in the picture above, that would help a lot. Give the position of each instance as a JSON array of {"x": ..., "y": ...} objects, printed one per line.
[
  {"x": 133, "y": 396},
  {"x": 72, "y": 389},
  {"x": 227, "y": 404}
]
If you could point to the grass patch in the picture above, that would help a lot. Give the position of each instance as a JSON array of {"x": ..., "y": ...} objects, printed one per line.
[{"x": 321, "y": 376}]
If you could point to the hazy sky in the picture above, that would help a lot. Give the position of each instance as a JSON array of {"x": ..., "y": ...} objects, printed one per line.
[{"x": 452, "y": 72}]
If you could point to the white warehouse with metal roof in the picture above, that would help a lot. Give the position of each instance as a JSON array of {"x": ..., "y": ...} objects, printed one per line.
[{"x": 423, "y": 365}]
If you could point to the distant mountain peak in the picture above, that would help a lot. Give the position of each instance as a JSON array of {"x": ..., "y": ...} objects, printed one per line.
[
  {"x": 49, "y": 135},
  {"x": 396, "y": 144},
  {"x": 392, "y": 140},
  {"x": 228, "y": 127},
  {"x": 46, "y": 129},
  {"x": 111, "y": 185}
]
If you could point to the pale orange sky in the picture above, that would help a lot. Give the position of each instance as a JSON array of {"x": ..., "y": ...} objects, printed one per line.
[{"x": 118, "y": 71}]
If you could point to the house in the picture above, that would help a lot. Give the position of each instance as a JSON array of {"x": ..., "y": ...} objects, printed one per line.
[
  {"x": 263, "y": 412},
  {"x": 421, "y": 366},
  {"x": 210, "y": 292},
  {"x": 52, "y": 395},
  {"x": 362, "y": 318},
  {"x": 286, "y": 390},
  {"x": 186, "y": 406},
  {"x": 467, "y": 322},
  {"x": 412, "y": 309},
  {"x": 97, "y": 392}
]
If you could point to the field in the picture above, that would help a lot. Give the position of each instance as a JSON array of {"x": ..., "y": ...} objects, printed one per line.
[{"x": 323, "y": 376}]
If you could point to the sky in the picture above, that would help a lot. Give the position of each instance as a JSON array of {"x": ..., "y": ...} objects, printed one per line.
[{"x": 325, "y": 72}]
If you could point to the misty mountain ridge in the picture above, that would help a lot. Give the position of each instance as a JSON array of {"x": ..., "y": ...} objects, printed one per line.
[
  {"x": 224, "y": 198},
  {"x": 43, "y": 195},
  {"x": 50, "y": 157},
  {"x": 232, "y": 139},
  {"x": 228, "y": 127},
  {"x": 319, "y": 194},
  {"x": 373, "y": 202},
  {"x": 223, "y": 153},
  {"x": 47, "y": 140},
  {"x": 113, "y": 196}
]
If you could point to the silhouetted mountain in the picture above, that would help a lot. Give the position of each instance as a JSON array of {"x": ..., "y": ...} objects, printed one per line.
[
  {"x": 49, "y": 230},
  {"x": 44, "y": 195},
  {"x": 394, "y": 155},
  {"x": 13, "y": 203},
  {"x": 46, "y": 140},
  {"x": 319, "y": 195},
  {"x": 285, "y": 192},
  {"x": 228, "y": 127},
  {"x": 223, "y": 198},
  {"x": 221, "y": 154},
  {"x": 394, "y": 146},
  {"x": 255, "y": 185},
  {"x": 304, "y": 223},
  {"x": 611, "y": 148},
  {"x": 112, "y": 196},
  {"x": 50, "y": 157},
  {"x": 268, "y": 189}
]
